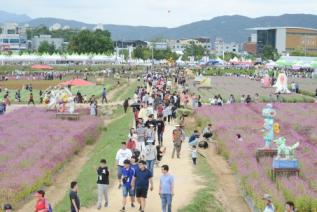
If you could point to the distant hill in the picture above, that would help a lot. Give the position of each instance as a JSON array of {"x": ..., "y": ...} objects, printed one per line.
[
  {"x": 11, "y": 17},
  {"x": 230, "y": 28}
]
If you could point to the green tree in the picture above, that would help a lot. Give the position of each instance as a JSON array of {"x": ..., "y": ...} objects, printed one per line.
[
  {"x": 138, "y": 52},
  {"x": 269, "y": 53},
  {"x": 91, "y": 42},
  {"x": 46, "y": 47},
  {"x": 194, "y": 50}
]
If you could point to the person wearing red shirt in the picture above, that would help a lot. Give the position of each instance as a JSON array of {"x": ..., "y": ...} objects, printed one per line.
[{"x": 41, "y": 203}]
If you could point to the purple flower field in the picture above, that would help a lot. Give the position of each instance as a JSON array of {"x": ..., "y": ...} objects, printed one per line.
[
  {"x": 298, "y": 123},
  {"x": 34, "y": 144}
]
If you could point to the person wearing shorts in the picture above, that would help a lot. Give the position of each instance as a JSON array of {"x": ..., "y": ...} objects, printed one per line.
[
  {"x": 123, "y": 154},
  {"x": 141, "y": 181},
  {"x": 127, "y": 176}
]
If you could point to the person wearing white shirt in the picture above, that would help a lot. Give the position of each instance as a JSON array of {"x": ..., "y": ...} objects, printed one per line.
[
  {"x": 269, "y": 205},
  {"x": 123, "y": 154}
]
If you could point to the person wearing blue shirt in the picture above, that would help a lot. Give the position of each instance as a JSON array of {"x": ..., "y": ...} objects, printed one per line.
[
  {"x": 193, "y": 139},
  {"x": 141, "y": 181},
  {"x": 127, "y": 176},
  {"x": 166, "y": 189}
]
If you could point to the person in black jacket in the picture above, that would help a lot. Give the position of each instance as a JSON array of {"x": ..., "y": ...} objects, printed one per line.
[{"x": 102, "y": 183}]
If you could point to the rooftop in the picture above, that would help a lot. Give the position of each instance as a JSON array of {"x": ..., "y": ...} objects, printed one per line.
[{"x": 284, "y": 27}]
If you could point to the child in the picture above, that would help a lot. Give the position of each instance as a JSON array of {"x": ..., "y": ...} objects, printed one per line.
[
  {"x": 194, "y": 154},
  {"x": 239, "y": 138},
  {"x": 160, "y": 153}
]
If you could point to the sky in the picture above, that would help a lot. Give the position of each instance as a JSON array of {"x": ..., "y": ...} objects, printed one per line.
[{"x": 168, "y": 13}]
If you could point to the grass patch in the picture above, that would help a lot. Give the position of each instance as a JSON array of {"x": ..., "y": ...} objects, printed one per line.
[
  {"x": 106, "y": 147},
  {"x": 204, "y": 200},
  {"x": 122, "y": 95}
]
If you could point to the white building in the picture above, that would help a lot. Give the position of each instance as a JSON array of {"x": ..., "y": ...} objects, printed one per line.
[
  {"x": 55, "y": 27},
  {"x": 37, "y": 40},
  {"x": 221, "y": 47},
  {"x": 66, "y": 27},
  {"x": 13, "y": 37}
]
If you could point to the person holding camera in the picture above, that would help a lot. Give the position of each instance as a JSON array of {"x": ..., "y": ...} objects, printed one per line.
[{"x": 127, "y": 176}]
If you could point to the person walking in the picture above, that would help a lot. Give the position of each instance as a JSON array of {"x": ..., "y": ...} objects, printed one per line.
[
  {"x": 73, "y": 196},
  {"x": 149, "y": 155},
  {"x": 194, "y": 154},
  {"x": 126, "y": 105},
  {"x": 123, "y": 154},
  {"x": 41, "y": 203},
  {"x": 160, "y": 126},
  {"x": 141, "y": 181},
  {"x": 31, "y": 99},
  {"x": 177, "y": 141},
  {"x": 269, "y": 207},
  {"x": 102, "y": 183},
  {"x": 166, "y": 189},
  {"x": 127, "y": 176},
  {"x": 104, "y": 96}
]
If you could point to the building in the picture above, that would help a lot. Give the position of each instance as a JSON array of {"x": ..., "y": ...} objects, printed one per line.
[
  {"x": 37, "y": 40},
  {"x": 286, "y": 39},
  {"x": 126, "y": 44},
  {"x": 221, "y": 47},
  {"x": 13, "y": 37},
  {"x": 181, "y": 44},
  {"x": 250, "y": 46},
  {"x": 160, "y": 45}
]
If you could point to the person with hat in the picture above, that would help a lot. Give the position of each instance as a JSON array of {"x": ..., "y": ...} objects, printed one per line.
[
  {"x": 127, "y": 175},
  {"x": 7, "y": 208},
  {"x": 149, "y": 155},
  {"x": 269, "y": 207}
]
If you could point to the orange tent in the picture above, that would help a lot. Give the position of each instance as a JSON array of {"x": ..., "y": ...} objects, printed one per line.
[
  {"x": 77, "y": 82},
  {"x": 42, "y": 67}
]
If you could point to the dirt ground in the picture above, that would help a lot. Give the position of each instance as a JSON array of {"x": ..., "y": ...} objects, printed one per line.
[
  {"x": 228, "y": 191},
  {"x": 186, "y": 183}
]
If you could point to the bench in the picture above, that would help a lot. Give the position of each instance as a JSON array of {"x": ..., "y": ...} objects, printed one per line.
[
  {"x": 284, "y": 172},
  {"x": 265, "y": 153},
  {"x": 68, "y": 116}
]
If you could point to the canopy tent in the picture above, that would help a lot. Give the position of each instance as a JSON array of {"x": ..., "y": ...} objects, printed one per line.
[
  {"x": 77, "y": 82},
  {"x": 42, "y": 67}
]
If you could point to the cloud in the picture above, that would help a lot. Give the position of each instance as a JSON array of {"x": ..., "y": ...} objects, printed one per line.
[{"x": 155, "y": 12}]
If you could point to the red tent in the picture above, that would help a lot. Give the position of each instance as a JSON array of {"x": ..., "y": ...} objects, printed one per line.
[
  {"x": 42, "y": 67},
  {"x": 77, "y": 82}
]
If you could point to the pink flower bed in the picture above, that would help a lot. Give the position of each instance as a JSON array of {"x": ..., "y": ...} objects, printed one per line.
[
  {"x": 298, "y": 123},
  {"x": 34, "y": 144}
]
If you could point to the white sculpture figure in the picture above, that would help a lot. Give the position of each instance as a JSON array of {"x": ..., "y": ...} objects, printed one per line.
[
  {"x": 281, "y": 84},
  {"x": 60, "y": 99}
]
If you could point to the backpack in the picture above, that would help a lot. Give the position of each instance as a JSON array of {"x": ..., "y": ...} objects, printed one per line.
[
  {"x": 50, "y": 209},
  {"x": 203, "y": 144}
]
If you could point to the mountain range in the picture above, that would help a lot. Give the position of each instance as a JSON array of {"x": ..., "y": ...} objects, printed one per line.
[{"x": 230, "y": 28}]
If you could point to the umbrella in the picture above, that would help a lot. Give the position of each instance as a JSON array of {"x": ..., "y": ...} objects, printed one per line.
[
  {"x": 42, "y": 67},
  {"x": 77, "y": 82}
]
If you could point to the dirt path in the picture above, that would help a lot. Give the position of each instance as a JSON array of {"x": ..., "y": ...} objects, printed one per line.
[
  {"x": 228, "y": 191},
  {"x": 186, "y": 183},
  {"x": 68, "y": 173}
]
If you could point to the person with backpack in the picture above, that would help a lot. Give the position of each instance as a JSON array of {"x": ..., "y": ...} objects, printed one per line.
[
  {"x": 102, "y": 183},
  {"x": 41, "y": 204},
  {"x": 150, "y": 155}
]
